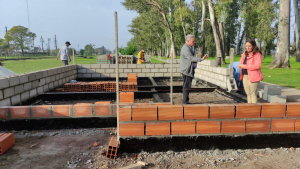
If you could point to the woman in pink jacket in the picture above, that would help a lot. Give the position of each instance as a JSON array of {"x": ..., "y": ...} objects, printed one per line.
[{"x": 251, "y": 74}]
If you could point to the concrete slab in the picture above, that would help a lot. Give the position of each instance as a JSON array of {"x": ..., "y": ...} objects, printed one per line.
[
  {"x": 292, "y": 95},
  {"x": 276, "y": 99}
]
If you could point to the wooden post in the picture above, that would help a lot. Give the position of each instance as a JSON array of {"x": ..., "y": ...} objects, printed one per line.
[
  {"x": 117, "y": 73},
  {"x": 231, "y": 53},
  {"x": 73, "y": 57}
]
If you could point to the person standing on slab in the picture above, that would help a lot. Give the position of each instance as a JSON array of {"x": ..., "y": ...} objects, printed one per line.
[
  {"x": 141, "y": 54},
  {"x": 188, "y": 64},
  {"x": 251, "y": 74},
  {"x": 64, "y": 54}
]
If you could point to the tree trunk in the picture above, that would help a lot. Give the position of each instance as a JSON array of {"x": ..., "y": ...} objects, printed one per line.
[
  {"x": 238, "y": 48},
  {"x": 182, "y": 24},
  {"x": 259, "y": 45},
  {"x": 281, "y": 58},
  {"x": 216, "y": 32},
  {"x": 297, "y": 30},
  {"x": 221, "y": 30},
  {"x": 247, "y": 34},
  {"x": 228, "y": 44},
  {"x": 160, "y": 49},
  {"x": 22, "y": 51},
  {"x": 202, "y": 46}
]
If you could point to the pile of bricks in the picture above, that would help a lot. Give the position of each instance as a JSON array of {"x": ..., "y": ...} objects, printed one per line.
[
  {"x": 212, "y": 119},
  {"x": 99, "y": 86},
  {"x": 6, "y": 141}
]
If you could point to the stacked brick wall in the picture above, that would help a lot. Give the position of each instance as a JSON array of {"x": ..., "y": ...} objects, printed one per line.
[
  {"x": 19, "y": 88},
  {"x": 209, "y": 119}
]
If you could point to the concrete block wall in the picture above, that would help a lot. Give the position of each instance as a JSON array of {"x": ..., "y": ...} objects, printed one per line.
[
  {"x": 142, "y": 70},
  {"x": 19, "y": 88},
  {"x": 212, "y": 119},
  {"x": 207, "y": 71}
]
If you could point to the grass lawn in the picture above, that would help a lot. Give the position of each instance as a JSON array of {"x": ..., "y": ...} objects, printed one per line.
[
  {"x": 156, "y": 61},
  {"x": 164, "y": 58},
  {"x": 279, "y": 76},
  {"x": 30, "y": 65}
]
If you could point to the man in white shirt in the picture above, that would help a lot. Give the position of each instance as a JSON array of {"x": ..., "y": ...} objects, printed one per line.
[{"x": 64, "y": 53}]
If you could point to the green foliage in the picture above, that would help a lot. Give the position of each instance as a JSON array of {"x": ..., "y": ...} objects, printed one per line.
[
  {"x": 129, "y": 50},
  {"x": 88, "y": 49},
  {"x": 102, "y": 51},
  {"x": 81, "y": 52},
  {"x": 19, "y": 37}
]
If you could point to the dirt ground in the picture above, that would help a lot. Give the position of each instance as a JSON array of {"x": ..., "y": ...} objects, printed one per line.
[{"x": 75, "y": 149}]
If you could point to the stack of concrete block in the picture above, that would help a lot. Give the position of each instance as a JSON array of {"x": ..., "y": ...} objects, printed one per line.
[
  {"x": 142, "y": 70},
  {"x": 272, "y": 94},
  {"x": 20, "y": 88},
  {"x": 207, "y": 71}
]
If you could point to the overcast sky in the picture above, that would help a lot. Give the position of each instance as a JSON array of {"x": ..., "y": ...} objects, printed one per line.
[{"x": 79, "y": 21}]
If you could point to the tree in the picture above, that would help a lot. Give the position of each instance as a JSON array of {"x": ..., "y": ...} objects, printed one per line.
[
  {"x": 161, "y": 7},
  {"x": 281, "y": 58},
  {"x": 202, "y": 46},
  {"x": 20, "y": 37},
  {"x": 297, "y": 30},
  {"x": 81, "y": 52},
  {"x": 88, "y": 50}
]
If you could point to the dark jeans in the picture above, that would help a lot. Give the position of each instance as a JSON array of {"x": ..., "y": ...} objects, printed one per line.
[
  {"x": 65, "y": 62},
  {"x": 187, "y": 84}
]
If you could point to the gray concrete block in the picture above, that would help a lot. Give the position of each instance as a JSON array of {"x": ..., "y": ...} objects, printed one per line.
[
  {"x": 127, "y": 70},
  {"x": 90, "y": 71},
  {"x": 56, "y": 84},
  {"x": 95, "y": 66},
  {"x": 100, "y": 70},
  {"x": 150, "y": 65},
  {"x": 158, "y": 65},
  {"x": 112, "y": 66},
  {"x": 167, "y": 65},
  {"x": 59, "y": 70},
  {"x": 40, "y": 90},
  {"x": 105, "y": 66},
  {"x": 276, "y": 99},
  {"x": 163, "y": 70},
  {"x": 52, "y": 78},
  {"x": 35, "y": 84},
  {"x": 60, "y": 82},
  {"x": 123, "y": 74},
  {"x": 42, "y": 82},
  {"x": 194, "y": 82},
  {"x": 5, "y": 102},
  {"x": 108, "y": 75},
  {"x": 54, "y": 71},
  {"x": 122, "y": 66},
  {"x": 23, "y": 78},
  {"x": 231, "y": 85},
  {"x": 86, "y": 66},
  {"x": 25, "y": 96},
  {"x": 141, "y": 66},
  {"x": 46, "y": 88},
  {"x": 271, "y": 90},
  {"x": 109, "y": 70},
  {"x": 80, "y": 75},
  {"x": 176, "y": 65},
  {"x": 159, "y": 74},
  {"x": 131, "y": 66},
  {"x": 8, "y": 92},
  {"x": 64, "y": 81},
  {"x": 87, "y": 75},
  {"x": 146, "y": 70},
  {"x": 65, "y": 74},
  {"x": 51, "y": 86},
  {"x": 38, "y": 75},
  {"x": 57, "y": 77},
  {"x": 150, "y": 74},
  {"x": 33, "y": 93},
  {"x": 19, "y": 89},
  {"x": 14, "y": 80},
  {"x": 154, "y": 70},
  {"x": 48, "y": 79},
  {"x": 225, "y": 71},
  {"x": 1, "y": 95},
  {"x": 45, "y": 73},
  {"x": 74, "y": 72},
  {"x": 167, "y": 74},
  {"x": 98, "y": 75},
  {"x": 259, "y": 93},
  {"x": 15, "y": 99},
  {"x": 136, "y": 70},
  {"x": 50, "y": 72},
  {"x": 61, "y": 75},
  {"x": 176, "y": 74},
  {"x": 4, "y": 83},
  {"x": 141, "y": 74},
  {"x": 120, "y": 70}
]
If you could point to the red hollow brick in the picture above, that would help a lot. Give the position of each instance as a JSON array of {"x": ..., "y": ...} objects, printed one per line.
[
  {"x": 83, "y": 109},
  {"x": 148, "y": 113},
  {"x": 103, "y": 102},
  {"x": 126, "y": 97},
  {"x": 125, "y": 113},
  {"x": 157, "y": 129},
  {"x": 248, "y": 110},
  {"x": 122, "y": 105},
  {"x": 183, "y": 127},
  {"x": 293, "y": 110},
  {"x": 61, "y": 110},
  {"x": 207, "y": 127},
  {"x": 257, "y": 126},
  {"x": 221, "y": 111},
  {"x": 297, "y": 125},
  {"x": 161, "y": 103},
  {"x": 6, "y": 141},
  {"x": 20, "y": 112},
  {"x": 283, "y": 125},
  {"x": 199, "y": 111},
  {"x": 131, "y": 129},
  {"x": 170, "y": 112},
  {"x": 273, "y": 110},
  {"x": 41, "y": 111},
  {"x": 236, "y": 126},
  {"x": 3, "y": 111},
  {"x": 102, "y": 109}
]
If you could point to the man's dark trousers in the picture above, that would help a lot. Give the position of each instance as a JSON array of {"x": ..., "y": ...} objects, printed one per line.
[{"x": 187, "y": 84}]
